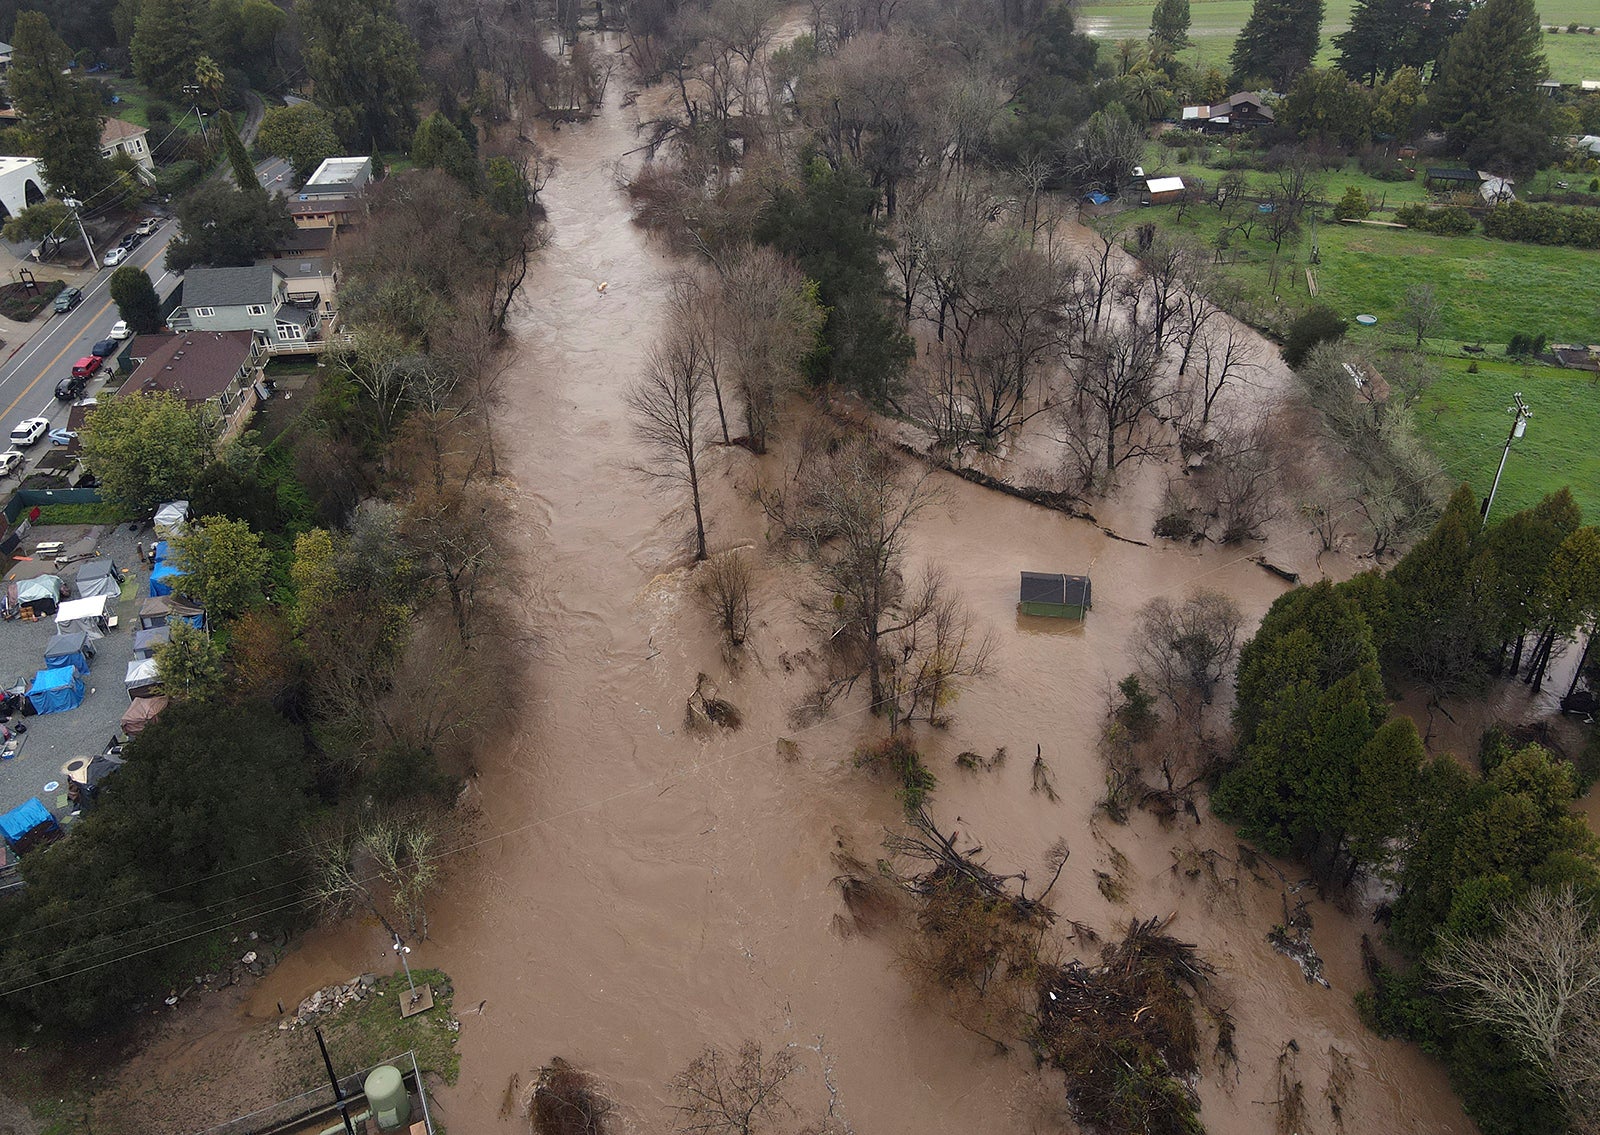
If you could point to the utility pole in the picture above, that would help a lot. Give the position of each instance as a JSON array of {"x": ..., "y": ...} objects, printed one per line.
[
  {"x": 75, "y": 205},
  {"x": 192, "y": 92},
  {"x": 1519, "y": 425},
  {"x": 338, "y": 1092}
]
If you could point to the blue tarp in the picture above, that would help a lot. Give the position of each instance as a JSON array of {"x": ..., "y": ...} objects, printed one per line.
[
  {"x": 163, "y": 578},
  {"x": 56, "y": 690},
  {"x": 158, "y": 554},
  {"x": 77, "y": 662},
  {"x": 20, "y": 821},
  {"x": 1096, "y": 198}
]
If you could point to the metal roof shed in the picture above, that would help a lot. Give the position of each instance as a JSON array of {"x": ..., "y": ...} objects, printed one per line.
[{"x": 1055, "y": 596}]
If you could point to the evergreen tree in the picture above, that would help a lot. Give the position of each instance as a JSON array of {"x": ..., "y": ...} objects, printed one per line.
[
  {"x": 63, "y": 114},
  {"x": 244, "y": 170},
  {"x": 1169, "y": 27},
  {"x": 1522, "y": 546},
  {"x": 1376, "y": 43},
  {"x": 1326, "y": 105},
  {"x": 223, "y": 227},
  {"x": 1487, "y": 93},
  {"x": 437, "y": 144},
  {"x": 169, "y": 37},
  {"x": 363, "y": 67},
  {"x": 1278, "y": 41},
  {"x": 136, "y": 299},
  {"x": 245, "y": 35},
  {"x": 302, "y": 134}
]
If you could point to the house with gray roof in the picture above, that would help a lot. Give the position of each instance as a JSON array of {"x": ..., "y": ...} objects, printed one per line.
[{"x": 255, "y": 299}]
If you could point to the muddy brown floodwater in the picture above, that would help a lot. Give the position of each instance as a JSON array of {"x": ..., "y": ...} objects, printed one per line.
[{"x": 644, "y": 891}]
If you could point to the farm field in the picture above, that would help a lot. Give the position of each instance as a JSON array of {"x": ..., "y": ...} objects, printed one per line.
[{"x": 1216, "y": 24}]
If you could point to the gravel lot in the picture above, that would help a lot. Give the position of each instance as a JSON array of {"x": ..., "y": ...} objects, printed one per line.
[{"x": 54, "y": 739}]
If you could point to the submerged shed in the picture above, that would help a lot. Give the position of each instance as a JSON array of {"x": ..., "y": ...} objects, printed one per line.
[{"x": 1055, "y": 596}]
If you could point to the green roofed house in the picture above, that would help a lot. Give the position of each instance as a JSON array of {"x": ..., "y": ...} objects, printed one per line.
[{"x": 1055, "y": 596}]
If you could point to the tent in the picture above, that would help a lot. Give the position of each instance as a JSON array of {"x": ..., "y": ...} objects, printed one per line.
[
  {"x": 42, "y": 593},
  {"x": 24, "y": 826},
  {"x": 164, "y": 579},
  {"x": 146, "y": 641},
  {"x": 159, "y": 610},
  {"x": 72, "y": 649},
  {"x": 56, "y": 690},
  {"x": 87, "y": 615},
  {"x": 83, "y": 787},
  {"x": 98, "y": 577},
  {"x": 170, "y": 518},
  {"x": 159, "y": 551},
  {"x": 142, "y": 712},
  {"x": 143, "y": 679}
]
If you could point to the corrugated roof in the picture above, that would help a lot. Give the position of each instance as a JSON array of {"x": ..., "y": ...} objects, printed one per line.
[
  {"x": 1050, "y": 587},
  {"x": 1164, "y": 184}
]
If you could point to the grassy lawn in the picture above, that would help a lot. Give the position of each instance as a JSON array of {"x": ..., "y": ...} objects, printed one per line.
[
  {"x": 1164, "y": 161},
  {"x": 367, "y": 1031},
  {"x": 1463, "y": 416},
  {"x": 1216, "y": 23}
]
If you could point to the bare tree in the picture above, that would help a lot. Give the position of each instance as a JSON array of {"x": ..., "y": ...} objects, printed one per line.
[
  {"x": 1421, "y": 310},
  {"x": 1538, "y": 982},
  {"x": 1245, "y": 474},
  {"x": 1185, "y": 649},
  {"x": 1225, "y": 358},
  {"x": 724, "y": 586},
  {"x": 383, "y": 861},
  {"x": 741, "y": 1095},
  {"x": 932, "y": 652},
  {"x": 452, "y": 529},
  {"x": 668, "y": 406},
  {"x": 770, "y": 321},
  {"x": 1112, "y": 415},
  {"x": 474, "y": 349}
]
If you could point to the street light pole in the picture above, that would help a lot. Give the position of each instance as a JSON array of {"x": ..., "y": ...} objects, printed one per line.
[
  {"x": 1519, "y": 425},
  {"x": 402, "y": 949},
  {"x": 75, "y": 206}
]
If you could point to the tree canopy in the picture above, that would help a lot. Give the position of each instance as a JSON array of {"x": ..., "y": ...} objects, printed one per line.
[
  {"x": 144, "y": 447},
  {"x": 169, "y": 38},
  {"x": 136, "y": 299},
  {"x": 363, "y": 67},
  {"x": 302, "y": 134},
  {"x": 63, "y": 114},
  {"x": 1278, "y": 41},
  {"x": 1487, "y": 96},
  {"x": 224, "y": 564},
  {"x": 226, "y": 227}
]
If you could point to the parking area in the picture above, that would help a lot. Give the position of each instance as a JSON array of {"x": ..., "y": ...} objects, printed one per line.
[{"x": 54, "y": 739}]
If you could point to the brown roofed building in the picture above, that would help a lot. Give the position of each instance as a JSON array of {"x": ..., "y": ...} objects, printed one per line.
[
  {"x": 119, "y": 136},
  {"x": 215, "y": 370}
]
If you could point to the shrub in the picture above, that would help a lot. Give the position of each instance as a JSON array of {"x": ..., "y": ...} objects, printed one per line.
[
  {"x": 177, "y": 177},
  {"x": 1594, "y": 185},
  {"x": 1452, "y": 220},
  {"x": 1318, "y": 324},
  {"x": 1543, "y": 224},
  {"x": 898, "y": 757},
  {"x": 1523, "y": 345},
  {"x": 1352, "y": 206}
]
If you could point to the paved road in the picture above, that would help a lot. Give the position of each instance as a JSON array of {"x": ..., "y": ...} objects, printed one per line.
[{"x": 28, "y": 378}]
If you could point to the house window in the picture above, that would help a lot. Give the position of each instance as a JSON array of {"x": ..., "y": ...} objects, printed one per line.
[
  {"x": 204, "y": 312},
  {"x": 290, "y": 331},
  {"x": 258, "y": 309},
  {"x": 138, "y": 146}
]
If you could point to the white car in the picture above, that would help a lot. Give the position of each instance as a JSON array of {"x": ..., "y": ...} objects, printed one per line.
[
  {"x": 9, "y": 460},
  {"x": 120, "y": 330},
  {"x": 115, "y": 256},
  {"x": 28, "y": 431}
]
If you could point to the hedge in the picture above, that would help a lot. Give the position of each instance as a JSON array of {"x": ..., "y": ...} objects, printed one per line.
[{"x": 1543, "y": 224}]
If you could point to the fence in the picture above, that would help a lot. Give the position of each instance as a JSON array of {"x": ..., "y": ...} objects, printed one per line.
[{"x": 316, "y": 1110}]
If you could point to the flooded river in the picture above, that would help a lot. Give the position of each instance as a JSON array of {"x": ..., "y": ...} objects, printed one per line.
[{"x": 644, "y": 891}]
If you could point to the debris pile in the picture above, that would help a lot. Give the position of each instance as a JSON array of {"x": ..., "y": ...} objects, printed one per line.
[{"x": 329, "y": 999}]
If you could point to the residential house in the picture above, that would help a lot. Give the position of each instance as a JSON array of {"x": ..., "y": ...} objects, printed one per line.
[
  {"x": 322, "y": 213},
  {"x": 214, "y": 370},
  {"x": 339, "y": 177},
  {"x": 119, "y": 136},
  {"x": 5, "y": 57},
  {"x": 1236, "y": 113},
  {"x": 254, "y": 299}
]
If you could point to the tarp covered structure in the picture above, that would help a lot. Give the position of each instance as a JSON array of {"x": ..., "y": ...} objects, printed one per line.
[
  {"x": 145, "y": 641},
  {"x": 159, "y": 610},
  {"x": 142, "y": 712},
  {"x": 27, "y": 820},
  {"x": 42, "y": 593},
  {"x": 86, "y": 615},
  {"x": 56, "y": 690},
  {"x": 72, "y": 649},
  {"x": 143, "y": 678},
  {"x": 98, "y": 577},
  {"x": 165, "y": 579},
  {"x": 170, "y": 518}
]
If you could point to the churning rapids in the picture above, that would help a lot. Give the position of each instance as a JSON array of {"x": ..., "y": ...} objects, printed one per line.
[{"x": 642, "y": 891}]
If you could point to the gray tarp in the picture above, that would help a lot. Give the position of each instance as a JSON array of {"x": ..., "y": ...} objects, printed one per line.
[
  {"x": 39, "y": 587},
  {"x": 146, "y": 641},
  {"x": 143, "y": 679}
]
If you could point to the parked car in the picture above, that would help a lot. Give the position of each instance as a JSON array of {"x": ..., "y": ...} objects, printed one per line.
[
  {"x": 9, "y": 461},
  {"x": 120, "y": 330},
  {"x": 63, "y": 436},
  {"x": 28, "y": 431},
  {"x": 70, "y": 387},
  {"x": 67, "y": 299},
  {"x": 130, "y": 242},
  {"x": 115, "y": 256},
  {"x": 105, "y": 348},
  {"x": 148, "y": 226},
  {"x": 86, "y": 366}
]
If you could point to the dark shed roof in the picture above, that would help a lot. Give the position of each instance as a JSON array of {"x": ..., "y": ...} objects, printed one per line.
[
  {"x": 1048, "y": 587},
  {"x": 1437, "y": 173}
]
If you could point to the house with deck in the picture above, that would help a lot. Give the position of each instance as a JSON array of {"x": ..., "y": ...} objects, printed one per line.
[
  {"x": 1234, "y": 114},
  {"x": 254, "y": 299},
  {"x": 215, "y": 371}
]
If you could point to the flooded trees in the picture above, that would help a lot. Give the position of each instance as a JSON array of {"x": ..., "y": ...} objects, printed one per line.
[
  {"x": 1111, "y": 416},
  {"x": 1186, "y": 649},
  {"x": 668, "y": 406},
  {"x": 742, "y": 1094},
  {"x": 724, "y": 586}
]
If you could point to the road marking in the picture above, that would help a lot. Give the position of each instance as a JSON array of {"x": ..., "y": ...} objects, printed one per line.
[{"x": 6, "y": 413}]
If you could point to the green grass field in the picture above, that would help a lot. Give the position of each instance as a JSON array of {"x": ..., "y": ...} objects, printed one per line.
[
  {"x": 1216, "y": 23},
  {"x": 1463, "y": 417}
]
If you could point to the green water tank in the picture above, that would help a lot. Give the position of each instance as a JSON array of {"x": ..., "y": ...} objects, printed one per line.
[{"x": 387, "y": 1096}]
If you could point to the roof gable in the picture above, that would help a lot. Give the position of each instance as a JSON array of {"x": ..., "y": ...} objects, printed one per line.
[{"x": 229, "y": 287}]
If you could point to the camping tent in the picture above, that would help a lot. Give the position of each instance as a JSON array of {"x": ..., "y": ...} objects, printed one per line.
[
  {"x": 170, "y": 518},
  {"x": 159, "y": 610},
  {"x": 143, "y": 679},
  {"x": 142, "y": 712},
  {"x": 25, "y": 825},
  {"x": 87, "y": 615},
  {"x": 42, "y": 593},
  {"x": 146, "y": 641},
  {"x": 72, "y": 649},
  {"x": 56, "y": 690},
  {"x": 164, "y": 579},
  {"x": 99, "y": 577}
]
